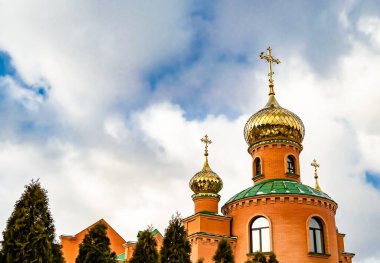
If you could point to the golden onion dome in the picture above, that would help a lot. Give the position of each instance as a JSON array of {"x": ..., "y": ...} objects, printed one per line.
[
  {"x": 206, "y": 181},
  {"x": 273, "y": 122}
]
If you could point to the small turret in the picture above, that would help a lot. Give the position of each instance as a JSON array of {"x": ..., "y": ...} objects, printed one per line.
[{"x": 206, "y": 185}]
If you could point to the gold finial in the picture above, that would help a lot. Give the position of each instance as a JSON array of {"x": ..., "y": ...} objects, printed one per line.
[
  {"x": 269, "y": 58},
  {"x": 316, "y": 166},
  {"x": 206, "y": 141}
]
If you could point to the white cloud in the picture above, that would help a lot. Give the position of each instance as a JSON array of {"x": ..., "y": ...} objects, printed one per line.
[
  {"x": 339, "y": 114},
  {"x": 90, "y": 57},
  {"x": 110, "y": 157},
  {"x": 28, "y": 98},
  {"x": 370, "y": 26}
]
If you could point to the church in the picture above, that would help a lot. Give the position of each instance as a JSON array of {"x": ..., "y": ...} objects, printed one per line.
[{"x": 277, "y": 213}]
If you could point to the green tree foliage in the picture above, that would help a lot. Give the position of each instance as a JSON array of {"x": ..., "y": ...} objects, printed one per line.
[
  {"x": 223, "y": 253},
  {"x": 176, "y": 247},
  {"x": 29, "y": 234},
  {"x": 272, "y": 258},
  {"x": 95, "y": 246},
  {"x": 259, "y": 257},
  {"x": 57, "y": 253},
  {"x": 146, "y": 248}
]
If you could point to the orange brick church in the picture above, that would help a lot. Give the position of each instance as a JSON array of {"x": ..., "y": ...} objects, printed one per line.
[{"x": 278, "y": 213}]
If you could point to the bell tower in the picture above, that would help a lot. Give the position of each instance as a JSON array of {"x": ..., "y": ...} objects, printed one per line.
[
  {"x": 274, "y": 135},
  {"x": 206, "y": 185},
  {"x": 206, "y": 227}
]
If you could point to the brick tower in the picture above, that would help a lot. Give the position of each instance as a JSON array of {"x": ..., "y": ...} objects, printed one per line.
[
  {"x": 279, "y": 213},
  {"x": 206, "y": 227}
]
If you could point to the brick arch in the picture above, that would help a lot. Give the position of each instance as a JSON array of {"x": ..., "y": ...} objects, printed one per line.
[
  {"x": 325, "y": 232},
  {"x": 254, "y": 165},
  {"x": 296, "y": 163},
  {"x": 283, "y": 211},
  {"x": 255, "y": 216}
]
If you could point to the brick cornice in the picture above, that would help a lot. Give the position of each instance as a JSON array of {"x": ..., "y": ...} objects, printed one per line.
[
  {"x": 276, "y": 143},
  {"x": 279, "y": 199},
  {"x": 210, "y": 239},
  {"x": 211, "y": 216}
]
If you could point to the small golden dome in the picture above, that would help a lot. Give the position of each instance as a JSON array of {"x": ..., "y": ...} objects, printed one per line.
[
  {"x": 273, "y": 123},
  {"x": 206, "y": 181}
]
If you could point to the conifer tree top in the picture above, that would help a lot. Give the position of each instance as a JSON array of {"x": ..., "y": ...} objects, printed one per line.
[
  {"x": 146, "y": 248},
  {"x": 223, "y": 253},
  {"x": 29, "y": 234},
  {"x": 95, "y": 246},
  {"x": 176, "y": 247}
]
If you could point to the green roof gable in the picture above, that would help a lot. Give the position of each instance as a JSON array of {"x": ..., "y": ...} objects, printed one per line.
[
  {"x": 121, "y": 256},
  {"x": 278, "y": 186}
]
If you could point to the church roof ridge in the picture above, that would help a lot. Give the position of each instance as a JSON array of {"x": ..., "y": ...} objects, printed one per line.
[{"x": 102, "y": 220}]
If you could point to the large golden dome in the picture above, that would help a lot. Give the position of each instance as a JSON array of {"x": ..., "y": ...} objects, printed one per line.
[
  {"x": 273, "y": 122},
  {"x": 206, "y": 181}
]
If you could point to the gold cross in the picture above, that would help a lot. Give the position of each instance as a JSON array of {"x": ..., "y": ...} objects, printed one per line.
[
  {"x": 206, "y": 141},
  {"x": 269, "y": 58},
  {"x": 316, "y": 166}
]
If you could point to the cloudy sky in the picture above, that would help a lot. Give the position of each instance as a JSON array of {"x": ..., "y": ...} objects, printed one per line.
[{"x": 106, "y": 102}]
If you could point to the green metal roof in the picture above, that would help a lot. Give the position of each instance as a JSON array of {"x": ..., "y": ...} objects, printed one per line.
[
  {"x": 155, "y": 231},
  {"x": 121, "y": 256},
  {"x": 278, "y": 186}
]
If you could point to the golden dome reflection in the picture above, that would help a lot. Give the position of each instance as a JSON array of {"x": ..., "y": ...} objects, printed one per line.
[{"x": 273, "y": 123}]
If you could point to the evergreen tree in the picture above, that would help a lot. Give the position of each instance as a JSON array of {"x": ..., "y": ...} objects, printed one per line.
[
  {"x": 146, "y": 250},
  {"x": 259, "y": 257},
  {"x": 57, "y": 253},
  {"x": 30, "y": 232},
  {"x": 176, "y": 248},
  {"x": 223, "y": 253},
  {"x": 95, "y": 247},
  {"x": 272, "y": 258}
]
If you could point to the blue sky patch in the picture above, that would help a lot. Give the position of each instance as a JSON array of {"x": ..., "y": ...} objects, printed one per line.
[
  {"x": 6, "y": 68},
  {"x": 373, "y": 179},
  {"x": 204, "y": 10}
]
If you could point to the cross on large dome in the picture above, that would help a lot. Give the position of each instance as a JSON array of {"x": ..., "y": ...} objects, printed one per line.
[{"x": 273, "y": 122}]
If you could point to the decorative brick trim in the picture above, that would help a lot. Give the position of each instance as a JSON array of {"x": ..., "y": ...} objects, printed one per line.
[
  {"x": 292, "y": 176},
  {"x": 279, "y": 199},
  {"x": 275, "y": 143},
  {"x": 257, "y": 177},
  {"x": 210, "y": 239},
  {"x": 207, "y": 195},
  {"x": 213, "y": 216}
]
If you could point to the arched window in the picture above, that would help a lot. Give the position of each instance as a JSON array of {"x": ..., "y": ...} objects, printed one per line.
[
  {"x": 291, "y": 165},
  {"x": 257, "y": 166},
  {"x": 260, "y": 237},
  {"x": 316, "y": 236}
]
